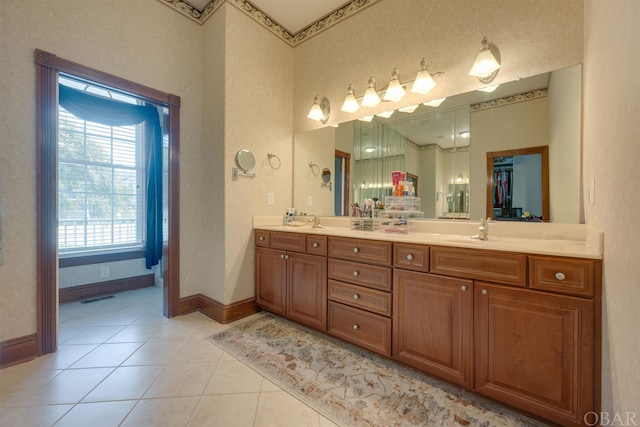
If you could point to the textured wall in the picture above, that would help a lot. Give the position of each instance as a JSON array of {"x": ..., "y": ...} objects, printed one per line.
[
  {"x": 142, "y": 41},
  {"x": 611, "y": 154}
]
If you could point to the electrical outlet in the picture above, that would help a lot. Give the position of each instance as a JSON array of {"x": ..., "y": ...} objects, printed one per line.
[
  {"x": 592, "y": 191},
  {"x": 270, "y": 198},
  {"x": 309, "y": 200},
  {"x": 104, "y": 272}
]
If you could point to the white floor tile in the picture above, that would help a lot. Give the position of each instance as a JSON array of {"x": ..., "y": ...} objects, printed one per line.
[
  {"x": 237, "y": 410},
  {"x": 162, "y": 412},
  {"x": 126, "y": 383},
  {"x": 103, "y": 414}
]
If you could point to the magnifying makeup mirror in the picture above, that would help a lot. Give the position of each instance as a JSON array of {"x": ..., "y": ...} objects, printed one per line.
[{"x": 246, "y": 161}]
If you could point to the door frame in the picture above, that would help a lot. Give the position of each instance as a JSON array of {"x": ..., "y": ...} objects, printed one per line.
[{"x": 48, "y": 65}]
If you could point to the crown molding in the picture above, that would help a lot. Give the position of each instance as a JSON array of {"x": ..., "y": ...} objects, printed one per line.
[{"x": 521, "y": 97}]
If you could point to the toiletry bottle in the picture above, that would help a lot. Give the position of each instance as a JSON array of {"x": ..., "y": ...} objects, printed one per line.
[{"x": 482, "y": 230}]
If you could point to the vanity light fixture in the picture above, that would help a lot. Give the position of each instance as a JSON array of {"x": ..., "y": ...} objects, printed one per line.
[
  {"x": 320, "y": 110},
  {"x": 459, "y": 178},
  {"x": 434, "y": 102},
  {"x": 489, "y": 89},
  {"x": 386, "y": 114},
  {"x": 424, "y": 82},
  {"x": 369, "y": 149},
  {"x": 464, "y": 134},
  {"x": 487, "y": 63},
  {"x": 409, "y": 109},
  {"x": 350, "y": 104},
  {"x": 371, "y": 98},
  {"x": 395, "y": 91}
]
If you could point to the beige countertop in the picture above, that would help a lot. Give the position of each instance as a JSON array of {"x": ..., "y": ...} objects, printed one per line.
[{"x": 568, "y": 240}]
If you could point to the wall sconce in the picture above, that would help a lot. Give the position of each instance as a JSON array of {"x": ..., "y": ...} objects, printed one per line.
[
  {"x": 350, "y": 104},
  {"x": 320, "y": 110},
  {"x": 487, "y": 63},
  {"x": 424, "y": 82},
  {"x": 395, "y": 91},
  {"x": 371, "y": 98}
]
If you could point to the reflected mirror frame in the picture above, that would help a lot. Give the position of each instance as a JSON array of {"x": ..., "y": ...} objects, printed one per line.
[{"x": 544, "y": 152}]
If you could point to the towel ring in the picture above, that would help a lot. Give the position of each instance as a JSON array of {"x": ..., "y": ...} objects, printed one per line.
[
  {"x": 271, "y": 156},
  {"x": 315, "y": 169}
]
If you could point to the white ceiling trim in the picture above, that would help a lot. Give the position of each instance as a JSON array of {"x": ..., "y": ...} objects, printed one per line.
[{"x": 293, "y": 39}]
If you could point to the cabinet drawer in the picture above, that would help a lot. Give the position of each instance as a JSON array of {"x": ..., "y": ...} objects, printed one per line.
[
  {"x": 360, "y": 297},
  {"x": 563, "y": 275},
  {"x": 359, "y": 327},
  {"x": 371, "y": 251},
  {"x": 494, "y": 266},
  {"x": 262, "y": 238},
  {"x": 288, "y": 241},
  {"x": 316, "y": 245},
  {"x": 411, "y": 257},
  {"x": 371, "y": 276}
]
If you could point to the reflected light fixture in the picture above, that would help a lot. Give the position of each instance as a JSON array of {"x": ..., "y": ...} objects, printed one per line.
[
  {"x": 487, "y": 63},
  {"x": 489, "y": 89},
  {"x": 366, "y": 118},
  {"x": 434, "y": 102},
  {"x": 320, "y": 110},
  {"x": 464, "y": 134},
  {"x": 369, "y": 149},
  {"x": 424, "y": 82},
  {"x": 395, "y": 91},
  {"x": 409, "y": 109},
  {"x": 386, "y": 114},
  {"x": 350, "y": 104},
  {"x": 371, "y": 98},
  {"x": 459, "y": 178}
]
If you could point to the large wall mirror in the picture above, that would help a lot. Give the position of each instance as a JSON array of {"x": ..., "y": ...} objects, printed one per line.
[{"x": 444, "y": 148}]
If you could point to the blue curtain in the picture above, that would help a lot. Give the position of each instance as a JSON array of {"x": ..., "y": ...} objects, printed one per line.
[{"x": 115, "y": 113}]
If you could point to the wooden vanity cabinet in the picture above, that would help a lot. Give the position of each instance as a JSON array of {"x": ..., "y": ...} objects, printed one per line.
[
  {"x": 433, "y": 325},
  {"x": 292, "y": 284},
  {"x": 535, "y": 351}
]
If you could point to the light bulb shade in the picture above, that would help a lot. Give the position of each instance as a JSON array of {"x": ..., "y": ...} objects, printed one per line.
[
  {"x": 366, "y": 118},
  {"x": 319, "y": 110},
  {"x": 424, "y": 83},
  {"x": 485, "y": 64},
  {"x": 489, "y": 89},
  {"x": 371, "y": 98},
  {"x": 409, "y": 109},
  {"x": 434, "y": 102},
  {"x": 395, "y": 91},
  {"x": 315, "y": 113},
  {"x": 350, "y": 104},
  {"x": 386, "y": 114}
]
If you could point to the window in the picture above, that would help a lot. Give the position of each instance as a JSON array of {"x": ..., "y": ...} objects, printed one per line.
[{"x": 100, "y": 180}]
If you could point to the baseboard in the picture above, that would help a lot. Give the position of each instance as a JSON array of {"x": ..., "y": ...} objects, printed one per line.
[
  {"x": 92, "y": 290},
  {"x": 222, "y": 313},
  {"x": 18, "y": 350}
]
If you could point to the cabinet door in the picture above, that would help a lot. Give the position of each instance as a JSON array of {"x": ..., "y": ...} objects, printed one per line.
[
  {"x": 535, "y": 351},
  {"x": 433, "y": 325},
  {"x": 271, "y": 280},
  {"x": 307, "y": 293}
]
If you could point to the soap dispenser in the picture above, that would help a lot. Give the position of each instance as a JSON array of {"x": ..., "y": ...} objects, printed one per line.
[{"x": 483, "y": 230}]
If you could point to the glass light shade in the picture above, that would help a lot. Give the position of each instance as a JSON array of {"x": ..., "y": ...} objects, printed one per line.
[
  {"x": 409, "y": 109},
  {"x": 489, "y": 89},
  {"x": 394, "y": 92},
  {"x": 350, "y": 104},
  {"x": 424, "y": 83},
  {"x": 315, "y": 113},
  {"x": 371, "y": 98},
  {"x": 386, "y": 114},
  {"x": 434, "y": 102},
  {"x": 366, "y": 118},
  {"x": 485, "y": 64}
]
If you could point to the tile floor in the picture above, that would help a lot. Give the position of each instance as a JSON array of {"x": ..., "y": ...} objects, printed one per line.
[{"x": 121, "y": 363}]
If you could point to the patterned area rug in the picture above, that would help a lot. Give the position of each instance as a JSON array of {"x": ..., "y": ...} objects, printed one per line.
[{"x": 351, "y": 386}]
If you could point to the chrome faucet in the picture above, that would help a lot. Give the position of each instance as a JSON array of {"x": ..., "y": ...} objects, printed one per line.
[{"x": 316, "y": 222}]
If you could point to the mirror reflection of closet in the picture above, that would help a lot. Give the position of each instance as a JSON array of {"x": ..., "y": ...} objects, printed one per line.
[{"x": 518, "y": 184}]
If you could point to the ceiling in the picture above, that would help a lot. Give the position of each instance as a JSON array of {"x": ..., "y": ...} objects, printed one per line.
[{"x": 293, "y": 15}]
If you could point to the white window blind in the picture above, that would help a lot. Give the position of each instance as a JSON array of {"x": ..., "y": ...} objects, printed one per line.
[{"x": 100, "y": 185}]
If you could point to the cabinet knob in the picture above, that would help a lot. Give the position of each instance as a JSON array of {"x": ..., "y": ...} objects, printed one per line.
[
  {"x": 355, "y": 273},
  {"x": 282, "y": 256},
  {"x": 356, "y": 296},
  {"x": 356, "y": 250},
  {"x": 484, "y": 292},
  {"x": 356, "y": 327},
  {"x": 286, "y": 257},
  {"x": 261, "y": 238},
  {"x": 463, "y": 288},
  {"x": 315, "y": 244},
  {"x": 560, "y": 276},
  {"x": 409, "y": 257}
]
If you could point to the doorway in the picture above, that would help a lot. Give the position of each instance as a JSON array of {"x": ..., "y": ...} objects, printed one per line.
[
  {"x": 342, "y": 195},
  {"x": 48, "y": 68}
]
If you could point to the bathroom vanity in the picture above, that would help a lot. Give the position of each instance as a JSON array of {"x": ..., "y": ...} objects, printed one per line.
[{"x": 515, "y": 318}]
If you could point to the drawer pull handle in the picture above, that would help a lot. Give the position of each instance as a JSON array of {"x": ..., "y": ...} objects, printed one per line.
[
  {"x": 315, "y": 244},
  {"x": 261, "y": 238},
  {"x": 560, "y": 276},
  {"x": 463, "y": 288},
  {"x": 409, "y": 257},
  {"x": 484, "y": 292},
  {"x": 356, "y": 250},
  {"x": 356, "y": 296},
  {"x": 355, "y": 274},
  {"x": 356, "y": 327}
]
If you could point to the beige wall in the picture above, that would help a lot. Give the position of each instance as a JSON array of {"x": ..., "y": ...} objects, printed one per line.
[
  {"x": 142, "y": 41},
  {"x": 611, "y": 133}
]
